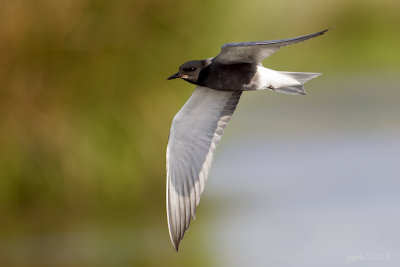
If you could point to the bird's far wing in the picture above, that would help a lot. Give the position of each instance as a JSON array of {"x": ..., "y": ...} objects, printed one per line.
[
  {"x": 195, "y": 132},
  {"x": 256, "y": 52}
]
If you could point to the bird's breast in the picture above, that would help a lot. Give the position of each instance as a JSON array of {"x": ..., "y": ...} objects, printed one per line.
[{"x": 227, "y": 77}]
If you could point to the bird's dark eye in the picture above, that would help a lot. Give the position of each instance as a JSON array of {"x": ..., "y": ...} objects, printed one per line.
[{"x": 190, "y": 69}]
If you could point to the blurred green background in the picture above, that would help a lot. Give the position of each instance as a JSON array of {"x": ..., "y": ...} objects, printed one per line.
[{"x": 85, "y": 111}]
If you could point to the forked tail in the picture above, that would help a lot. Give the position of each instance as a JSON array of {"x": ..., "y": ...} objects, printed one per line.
[{"x": 300, "y": 78}]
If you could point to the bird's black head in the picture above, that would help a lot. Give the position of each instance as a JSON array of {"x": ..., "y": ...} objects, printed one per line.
[{"x": 189, "y": 71}]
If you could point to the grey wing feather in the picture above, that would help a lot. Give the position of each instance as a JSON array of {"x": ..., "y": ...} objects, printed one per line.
[
  {"x": 256, "y": 52},
  {"x": 195, "y": 132}
]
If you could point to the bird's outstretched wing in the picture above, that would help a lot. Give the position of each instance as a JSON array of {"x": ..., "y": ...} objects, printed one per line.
[
  {"x": 195, "y": 132},
  {"x": 256, "y": 52}
]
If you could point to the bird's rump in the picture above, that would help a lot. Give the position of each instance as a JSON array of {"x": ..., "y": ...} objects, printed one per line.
[{"x": 195, "y": 132}]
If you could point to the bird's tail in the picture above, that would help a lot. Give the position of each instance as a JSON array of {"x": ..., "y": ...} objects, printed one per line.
[{"x": 301, "y": 78}]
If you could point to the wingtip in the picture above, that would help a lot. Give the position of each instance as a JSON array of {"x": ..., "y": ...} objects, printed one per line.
[
  {"x": 331, "y": 28},
  {"x": 174, "y": 240},
  {"x": 175, "y": 244},
  {"x": 321, "y": 32}
]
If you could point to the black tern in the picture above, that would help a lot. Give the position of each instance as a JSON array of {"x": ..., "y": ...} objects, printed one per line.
[{"x": 198, "y": 126}]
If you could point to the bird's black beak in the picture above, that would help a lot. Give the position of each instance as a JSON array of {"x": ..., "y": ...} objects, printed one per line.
[{"x": 174, "y": 76}]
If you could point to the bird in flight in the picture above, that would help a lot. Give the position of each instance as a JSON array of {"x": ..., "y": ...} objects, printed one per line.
[{"x": 198, "y": 126}]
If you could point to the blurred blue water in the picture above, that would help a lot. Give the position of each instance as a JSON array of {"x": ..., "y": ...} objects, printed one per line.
[{"x": 324, "y": 192}]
